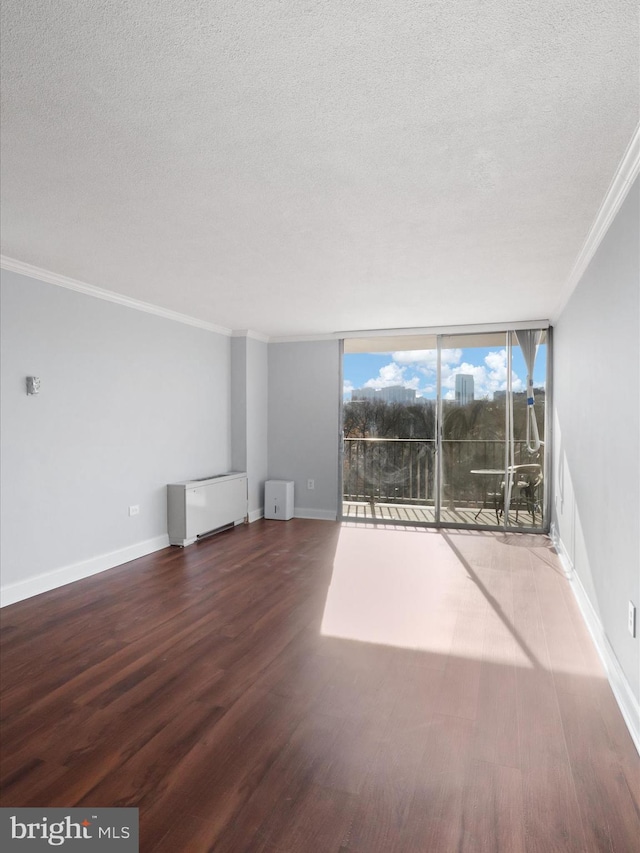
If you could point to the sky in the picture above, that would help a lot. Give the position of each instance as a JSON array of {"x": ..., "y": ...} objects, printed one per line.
[{"x": 417, "y": 369}]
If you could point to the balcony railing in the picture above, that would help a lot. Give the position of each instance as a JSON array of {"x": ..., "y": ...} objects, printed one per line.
[
  {"x": 403, "y": 470},
  {"x": 389, "y": 470}
]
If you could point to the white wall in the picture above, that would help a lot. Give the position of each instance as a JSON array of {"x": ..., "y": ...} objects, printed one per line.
[
  {"x": 249, "y": 415},
  {"x": 239, "y": 404},
  {"x": 304, "y": 406},
  {"x": 129, "y": 402},
  {"x": 257, "y": 423},
  {"x": 596, "y": 440}
]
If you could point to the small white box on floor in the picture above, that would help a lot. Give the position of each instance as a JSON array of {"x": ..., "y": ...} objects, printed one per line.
[{"x": 278, "y": 499}]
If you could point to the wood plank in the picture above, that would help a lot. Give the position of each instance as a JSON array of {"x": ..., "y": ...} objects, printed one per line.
[
  {"x": 196, "y": 684},
  {"x": 459, "y": 690},
  {"x": 551, "y": 812},
  {"x": 496, "y": 729},
  {"x": 216, "y": 778},
  {"x": 273, "y": 803},
  {"x": 434, "y": 816},
  {"x": 606, "y": 805}
]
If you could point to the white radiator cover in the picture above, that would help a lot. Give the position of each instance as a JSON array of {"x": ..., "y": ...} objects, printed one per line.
[{"x": 197, "y": 508}]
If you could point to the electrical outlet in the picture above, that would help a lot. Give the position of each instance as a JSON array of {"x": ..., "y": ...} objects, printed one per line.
[
  {"x": 631, "y": 623},
  {"x": 311, "y": 484},
  {"x": 134, "y": 510}
]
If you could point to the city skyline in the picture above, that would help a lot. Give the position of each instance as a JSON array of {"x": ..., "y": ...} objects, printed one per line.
[
  {"x": 416, "y": 370},
  {"x": 388, "y": 394}
]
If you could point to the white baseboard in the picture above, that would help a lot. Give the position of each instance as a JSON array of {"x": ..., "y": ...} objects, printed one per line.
[
  {"x": 256, "y": 515},
  {"x": 627, "y": 702},
  {"x": 11, "y": 593},
  {"x": 566, "y": 562},
  {"x": 321, "y": 514}
]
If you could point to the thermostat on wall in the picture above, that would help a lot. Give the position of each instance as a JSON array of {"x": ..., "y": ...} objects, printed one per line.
[{"x": 33, "y": 384}]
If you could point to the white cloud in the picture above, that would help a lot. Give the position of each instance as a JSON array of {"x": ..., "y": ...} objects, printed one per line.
[
  {"x": 347, "y": 388},
  {"x": 487, "y": 378},
  {"x": 415, "y": 356},
  {"x": 497, "y": 361},
  {"x": 426, "y": 359},
  {"x": 416, "y": 369},
  {"x": 392, "y": 374}
]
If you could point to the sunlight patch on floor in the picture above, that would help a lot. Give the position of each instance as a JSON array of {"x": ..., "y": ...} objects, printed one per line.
[
  {"x": 393, "y": 587},
  {"x": 407, "y": 588}
]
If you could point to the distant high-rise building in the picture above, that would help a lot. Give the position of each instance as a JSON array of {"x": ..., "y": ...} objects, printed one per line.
[
  {"x": 464, "y": 389},
  {"x": 392, "y": 394}
]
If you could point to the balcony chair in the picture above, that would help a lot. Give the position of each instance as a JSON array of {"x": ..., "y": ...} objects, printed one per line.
[
  {"x": 493, "y": 496},
  {"x": 525, "y": 489}
]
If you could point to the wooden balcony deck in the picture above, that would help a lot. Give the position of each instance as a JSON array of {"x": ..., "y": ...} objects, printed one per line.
[{"x": 426, "y": 514}]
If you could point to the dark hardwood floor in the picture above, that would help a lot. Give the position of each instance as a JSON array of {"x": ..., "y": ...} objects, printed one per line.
[{"x": 309, "y": 687}]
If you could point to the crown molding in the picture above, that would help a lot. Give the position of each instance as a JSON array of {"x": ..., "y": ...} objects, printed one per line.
[
  {"x": 623, "y": 179},
  {"x": 12, "y": 265},
  {"x": 248, "y": 333},
  {"x": 303, "y": 339}
]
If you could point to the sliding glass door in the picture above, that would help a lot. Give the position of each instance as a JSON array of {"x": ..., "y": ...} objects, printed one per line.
[
  {"x": 446, "y": 430},
  {"x": 389, "y": 429},
  {"x": 492, "y": 440},
  {"x": 473, "y": 434}
]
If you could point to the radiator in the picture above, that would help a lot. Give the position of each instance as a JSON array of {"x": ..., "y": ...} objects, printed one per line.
[{"x": 197, "y": 508}]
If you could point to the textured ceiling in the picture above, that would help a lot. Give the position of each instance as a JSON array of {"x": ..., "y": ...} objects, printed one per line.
[{"x": 301, "y": 167}]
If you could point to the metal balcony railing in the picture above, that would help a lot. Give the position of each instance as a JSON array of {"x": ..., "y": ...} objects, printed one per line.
[
  {"x": 389, "y": 470},
  {"x": 403, "y": 470}
]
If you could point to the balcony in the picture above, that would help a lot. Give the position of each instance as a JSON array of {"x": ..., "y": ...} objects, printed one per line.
[{"x": 394, "y": 479}]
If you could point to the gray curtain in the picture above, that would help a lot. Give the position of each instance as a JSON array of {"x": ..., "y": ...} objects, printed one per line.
[{"x": 529, "y": 341}]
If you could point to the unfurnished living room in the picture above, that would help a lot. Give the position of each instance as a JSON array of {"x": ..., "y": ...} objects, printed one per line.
[{"x": 320, "y": 429}]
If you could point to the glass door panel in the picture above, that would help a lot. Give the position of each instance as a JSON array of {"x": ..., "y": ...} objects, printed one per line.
[
  {"x": 473, "y": 418},
  {"x": 389, "y": 430}
]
